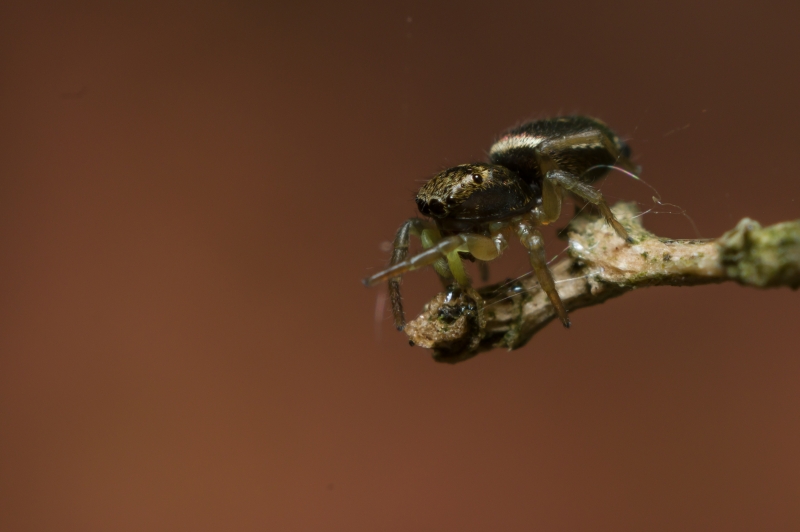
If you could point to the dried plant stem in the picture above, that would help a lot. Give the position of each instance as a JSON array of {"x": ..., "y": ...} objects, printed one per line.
[{"x": 601, "y": 266}]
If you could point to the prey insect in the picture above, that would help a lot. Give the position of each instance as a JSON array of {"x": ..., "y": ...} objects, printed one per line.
[{"x": 473, "y": 209}]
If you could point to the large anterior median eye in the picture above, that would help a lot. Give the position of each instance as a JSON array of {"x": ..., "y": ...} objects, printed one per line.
[
  {"x": 433, "y": 207},
  {"x": 436, "y": 207},
  {"x": 423, "y": 207},
  {"x": 477, "y": 178}
]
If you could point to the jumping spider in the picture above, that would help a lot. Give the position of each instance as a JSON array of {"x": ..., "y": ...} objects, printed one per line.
[{"x": 475, "y": 207}]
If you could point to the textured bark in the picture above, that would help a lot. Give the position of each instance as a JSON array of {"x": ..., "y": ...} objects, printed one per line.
[{"x": 601, "y": 266}]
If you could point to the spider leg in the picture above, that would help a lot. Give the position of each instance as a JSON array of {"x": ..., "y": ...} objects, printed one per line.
[
  {"x": 400, "y": 264},
  {"x": 428, "y": 233},
  {"x": 482, "y": 247},
  {"x": 556, "y": 180},
  {"x": 429, "y": 237},
  {"x": 532, "y": 239},
  {"x": 442, "y": 249},
  {"x": 483, "y": 268},
  {"x": 573, "y": 184}
]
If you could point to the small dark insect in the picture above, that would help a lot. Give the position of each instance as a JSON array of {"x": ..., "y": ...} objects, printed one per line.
[{"x": 475, "y": 207}]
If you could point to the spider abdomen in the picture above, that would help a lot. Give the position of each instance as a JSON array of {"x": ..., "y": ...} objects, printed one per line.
[{"x": 521, "y": 148}]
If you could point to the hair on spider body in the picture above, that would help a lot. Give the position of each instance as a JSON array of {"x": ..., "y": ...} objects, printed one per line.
[
  {"x": 474, "y": 208},
  {"x": 517, "y": 148}
]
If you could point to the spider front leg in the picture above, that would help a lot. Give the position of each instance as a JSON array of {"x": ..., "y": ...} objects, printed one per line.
[
  {"x": 399, "y": 265},
  {"x": 429, "y": 235},
  {"x": 481, "y": 247},
  {"x": 532, "y": 239}
]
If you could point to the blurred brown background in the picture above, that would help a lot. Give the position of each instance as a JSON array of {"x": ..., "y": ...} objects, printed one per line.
[{"x": 190, "y": 194}]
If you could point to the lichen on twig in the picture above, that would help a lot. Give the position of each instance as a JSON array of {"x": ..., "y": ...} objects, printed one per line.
[{"x": 601, "y": 266}]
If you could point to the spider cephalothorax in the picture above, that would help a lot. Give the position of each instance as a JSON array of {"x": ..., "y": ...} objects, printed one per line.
[
  {"x": 475, "y": 207},
  {"x": 480, "y": 192}
]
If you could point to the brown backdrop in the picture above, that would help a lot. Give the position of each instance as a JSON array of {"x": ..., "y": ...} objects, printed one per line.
[{"x": 191, "y": 193}]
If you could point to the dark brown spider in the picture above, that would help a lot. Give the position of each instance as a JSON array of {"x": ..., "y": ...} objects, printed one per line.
[{"x": 475, "y": 207}]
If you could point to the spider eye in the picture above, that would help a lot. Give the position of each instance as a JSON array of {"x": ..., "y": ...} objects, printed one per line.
[
  {"x": 477, "y": 179},
  {"x": 436, "y": 207},
  {"x": 433, "y": 207}
]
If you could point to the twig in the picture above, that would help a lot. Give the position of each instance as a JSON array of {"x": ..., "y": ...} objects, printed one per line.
[{"x": 601, "y": 266}]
